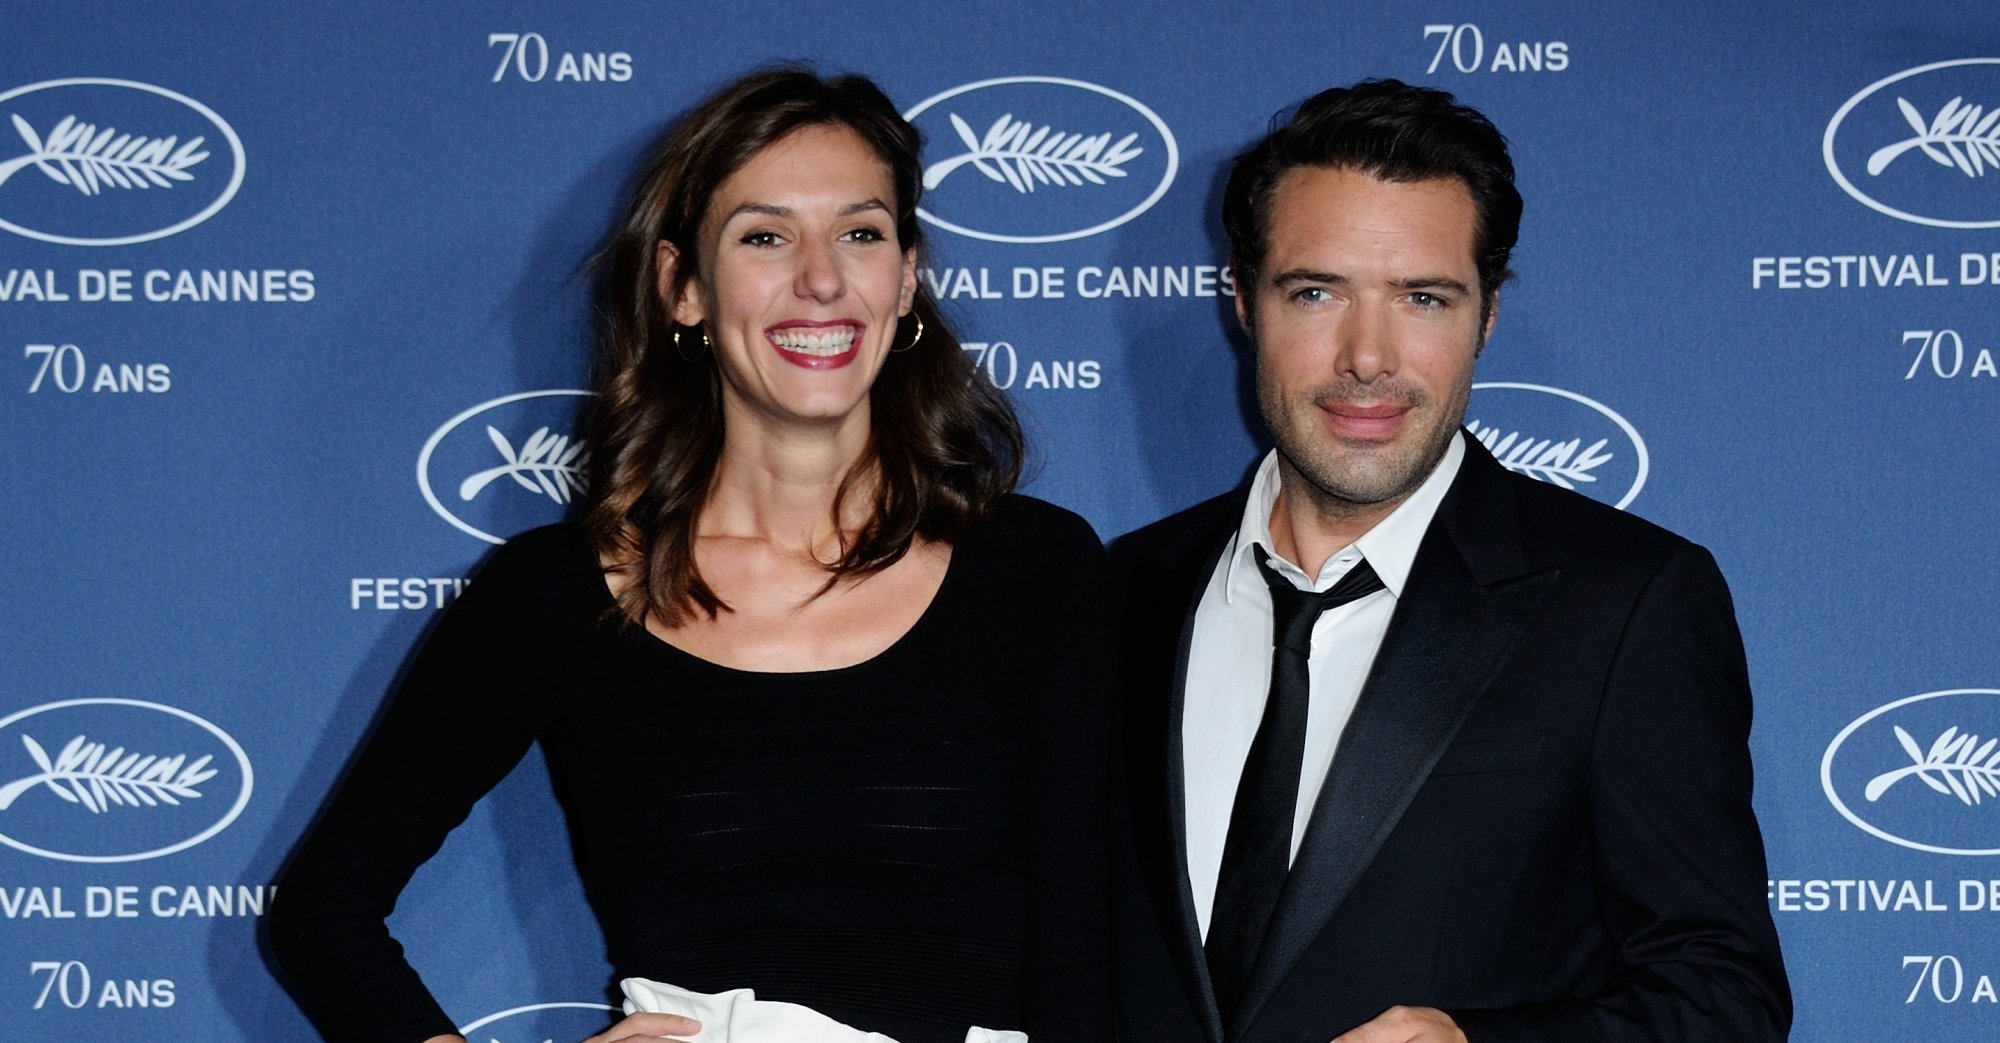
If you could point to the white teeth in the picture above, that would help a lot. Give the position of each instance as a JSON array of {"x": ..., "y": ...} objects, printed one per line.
[{"x": 820, "y": 343}]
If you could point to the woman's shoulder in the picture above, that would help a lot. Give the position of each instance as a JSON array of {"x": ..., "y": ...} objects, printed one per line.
[
  {"x": 1021, "y": 514},
  {"x": 561, "y": 542},
  {"x": 1024, "y": 529},
  {"x": 554, "y": 560}
]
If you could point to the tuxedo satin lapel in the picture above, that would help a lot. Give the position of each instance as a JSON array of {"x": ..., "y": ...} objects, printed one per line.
[
  {"x": 1461, "y": 611},
  {"x": 1177, "y": 574},
  {"x": 1188, "y": 954}
]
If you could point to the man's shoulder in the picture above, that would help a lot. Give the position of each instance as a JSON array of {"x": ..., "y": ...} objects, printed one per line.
[
  {"x": 1563, "y": 525},
  {"x": 1187, "y": 531}
]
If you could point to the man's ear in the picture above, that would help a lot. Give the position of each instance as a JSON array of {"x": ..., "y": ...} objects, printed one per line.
[
  {"x": 1243, "y": 318},
  {"x": 1486, "y": 326},
  {"x": 683, "y": 304}
]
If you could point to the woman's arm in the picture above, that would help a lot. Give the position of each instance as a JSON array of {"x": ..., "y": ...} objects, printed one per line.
[
  {"x": 1068, "y": 981},
  {"x": 462, "y": 718}
]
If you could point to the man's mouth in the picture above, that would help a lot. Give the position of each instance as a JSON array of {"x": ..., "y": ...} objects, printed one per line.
[{"x": 1367, "y": 422}]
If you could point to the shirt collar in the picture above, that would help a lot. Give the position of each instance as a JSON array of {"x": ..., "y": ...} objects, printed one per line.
[{"x": 1390, "y": 547}]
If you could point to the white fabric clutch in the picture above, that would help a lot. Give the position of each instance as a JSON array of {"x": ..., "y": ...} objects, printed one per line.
[{"x": 738, "y": 1016}]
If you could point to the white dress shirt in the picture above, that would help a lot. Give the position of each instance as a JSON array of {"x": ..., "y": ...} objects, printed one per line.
[{"x": 1229, "y": 661}]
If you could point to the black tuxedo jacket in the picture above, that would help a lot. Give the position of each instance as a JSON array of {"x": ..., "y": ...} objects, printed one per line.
[{"x": 1538, "y": 818}]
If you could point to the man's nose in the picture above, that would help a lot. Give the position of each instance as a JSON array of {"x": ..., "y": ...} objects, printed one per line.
[{"x": 1367, "y": 347}]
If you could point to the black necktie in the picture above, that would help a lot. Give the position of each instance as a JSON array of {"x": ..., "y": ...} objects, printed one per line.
[{"x": 1258, "y": 850}]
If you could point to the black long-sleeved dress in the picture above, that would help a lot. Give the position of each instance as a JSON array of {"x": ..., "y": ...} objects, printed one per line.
[{"x": 911, "y": 845}]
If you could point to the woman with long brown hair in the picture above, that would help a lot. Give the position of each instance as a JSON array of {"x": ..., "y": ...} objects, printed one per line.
[{"x": 824, "y": 699}]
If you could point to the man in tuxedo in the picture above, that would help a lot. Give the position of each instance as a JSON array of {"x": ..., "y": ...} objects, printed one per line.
[{"x": 1415, "y": 748}]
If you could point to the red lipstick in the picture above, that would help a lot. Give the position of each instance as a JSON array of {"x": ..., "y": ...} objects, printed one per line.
[{"x": 810, "y": 344}]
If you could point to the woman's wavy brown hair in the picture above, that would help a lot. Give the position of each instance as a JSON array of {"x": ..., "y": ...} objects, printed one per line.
[{"x": 945, "y": 443}]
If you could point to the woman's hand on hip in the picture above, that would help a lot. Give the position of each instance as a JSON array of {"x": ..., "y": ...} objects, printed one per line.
[{"x": 645, "y": 1028}]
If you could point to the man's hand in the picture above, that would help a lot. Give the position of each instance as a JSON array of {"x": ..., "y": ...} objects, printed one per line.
[
  {"x": 648, "y": 1028},
  {"x": 1406, "y": 1025}
]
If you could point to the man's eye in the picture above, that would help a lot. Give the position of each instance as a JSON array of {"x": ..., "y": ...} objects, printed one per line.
[
  {"x": 1310, "y": 295},
  {"x": 1428, "y": 300}
]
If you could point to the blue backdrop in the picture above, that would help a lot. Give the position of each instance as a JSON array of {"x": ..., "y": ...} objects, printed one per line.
[{"x": 267, "y": 396}]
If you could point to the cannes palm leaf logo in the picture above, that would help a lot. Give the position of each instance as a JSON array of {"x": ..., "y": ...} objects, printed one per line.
[
  {"x": 546, "y": 465},
  {"x": 89, "y": 159},
  {"x": 88, "y": 774},
  {"x": 1023, "y": 155},
  {"x": 1564, "y": 464},
  {"x": 1957, "y": 765},
  {"x": 1958, "y": 136}
]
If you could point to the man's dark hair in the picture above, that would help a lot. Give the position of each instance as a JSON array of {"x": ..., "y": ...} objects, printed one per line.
[{"x": 1392, "y": 131}]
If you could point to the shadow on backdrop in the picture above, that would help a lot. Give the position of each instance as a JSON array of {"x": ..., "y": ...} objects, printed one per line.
[{"x": 1192, "y": 378}]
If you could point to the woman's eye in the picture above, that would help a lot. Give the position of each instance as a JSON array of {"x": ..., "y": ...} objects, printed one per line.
[
  {"x": 760, "y": 239},
  {"x": 866, "y": 235}
]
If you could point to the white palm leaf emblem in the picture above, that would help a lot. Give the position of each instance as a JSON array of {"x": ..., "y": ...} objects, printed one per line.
[
  {"x": 546, "y": 465},
  {"x": 90, "y": 159},
  {"x": 88, "y": 774},
  {"x": 1566, "y": 464},
  {"x": 1957, "y": 764},
  {"x": 1019, "y": 154},
  {"x": 1960, "y": 135}
]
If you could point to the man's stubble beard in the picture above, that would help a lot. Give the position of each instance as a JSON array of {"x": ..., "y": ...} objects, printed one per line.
[{"x": 1339, "y": 479}]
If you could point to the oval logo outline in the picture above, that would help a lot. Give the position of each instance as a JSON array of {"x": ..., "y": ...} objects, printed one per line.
[
  {"x": 1839, "y": 739},
  {"x": 438, "y": 436},
  {"x": 1173, "y": 156},
  {"x": 1642, "y": 458},
  {"x": 529, "y": 1008},
  {"x": 1840, "y": 177},
  {"x": 228, "y": 817},
  {"x": 237, "y": 155}
]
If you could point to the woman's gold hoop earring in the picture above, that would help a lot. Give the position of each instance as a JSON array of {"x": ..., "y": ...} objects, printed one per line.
[{"x": 915, "y": 339}]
